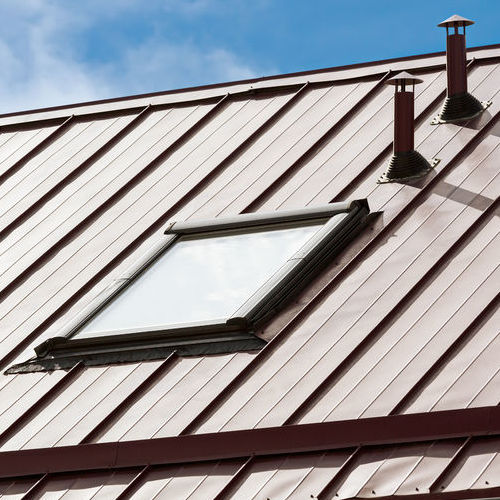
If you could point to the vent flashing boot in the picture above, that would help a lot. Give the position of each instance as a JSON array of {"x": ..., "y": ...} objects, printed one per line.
[
  {"x": 459, "y": 104},
  {"x": 406, "y": 163}
]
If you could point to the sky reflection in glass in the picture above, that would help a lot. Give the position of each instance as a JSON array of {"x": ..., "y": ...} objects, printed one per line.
[{"x": 200, "y": 280}]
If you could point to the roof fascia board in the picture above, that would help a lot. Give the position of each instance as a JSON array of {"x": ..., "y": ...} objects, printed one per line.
[
  {"x": 425, "y": 61},
  {"x": 376, "y": 431}
]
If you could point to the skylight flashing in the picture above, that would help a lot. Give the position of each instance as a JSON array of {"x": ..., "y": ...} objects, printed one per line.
[
  {"x": 244, "y": 221},
  {"x": 252, "y": 308},
  {"x": 336, "y": 224}
]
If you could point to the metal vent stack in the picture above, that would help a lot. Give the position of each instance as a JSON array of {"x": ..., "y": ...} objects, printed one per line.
[
  {"x": 459, "y": 104},
  {"x": 405, "y": 163}
]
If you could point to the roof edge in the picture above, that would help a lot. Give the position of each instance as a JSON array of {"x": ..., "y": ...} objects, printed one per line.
[
  {"x": 387, "y": 430},
  {"x": 238, "y": 82}
]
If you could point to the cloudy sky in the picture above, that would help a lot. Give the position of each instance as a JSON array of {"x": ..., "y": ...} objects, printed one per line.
[{"x": 61, "y": 51}]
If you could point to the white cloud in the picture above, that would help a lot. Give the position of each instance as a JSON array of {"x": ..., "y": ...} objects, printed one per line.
[
  {"x": 43, "y": 62},
  {"x": 40, "y": 66},
  {"x": 166, "y": 65}
]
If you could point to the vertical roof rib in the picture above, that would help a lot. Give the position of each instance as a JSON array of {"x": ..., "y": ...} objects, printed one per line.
[{"x": 329, "y": 405}]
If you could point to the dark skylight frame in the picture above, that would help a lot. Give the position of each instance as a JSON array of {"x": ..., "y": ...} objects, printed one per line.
[{"x": 234, "y": 333}]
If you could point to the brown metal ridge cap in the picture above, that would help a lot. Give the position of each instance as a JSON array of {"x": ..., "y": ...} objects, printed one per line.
[
  {"x": 473, "y": 494},
  {"x": 249, "y": 81},
  {"x": 388, "y": 430},
  {"x": 38, "y": 118}
]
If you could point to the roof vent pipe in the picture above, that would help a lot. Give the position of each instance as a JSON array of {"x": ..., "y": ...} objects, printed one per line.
[
  {"x": 459, "y": 104},
  {"x": 405, "y": 163}
]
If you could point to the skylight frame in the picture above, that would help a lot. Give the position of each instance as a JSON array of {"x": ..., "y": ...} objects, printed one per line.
[{"x": 235, "y": 333}]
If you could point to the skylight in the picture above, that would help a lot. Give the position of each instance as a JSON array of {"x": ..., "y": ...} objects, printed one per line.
[
  {"x": 206, "y": 289},
  {"x": 200, "y": 278}
]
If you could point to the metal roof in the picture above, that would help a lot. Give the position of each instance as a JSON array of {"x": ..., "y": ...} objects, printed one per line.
[{"x": 404, "y": 322}]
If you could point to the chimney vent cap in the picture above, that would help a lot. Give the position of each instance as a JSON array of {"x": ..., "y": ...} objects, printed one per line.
[
  {"x": 455, "y": 20},
  {"x": 403, "y": 78}
]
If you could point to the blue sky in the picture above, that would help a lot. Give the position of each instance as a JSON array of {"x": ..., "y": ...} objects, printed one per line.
[{"x": 62, "y": 51}]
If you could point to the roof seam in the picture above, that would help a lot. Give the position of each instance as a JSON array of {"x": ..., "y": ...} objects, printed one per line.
[
  {"x": 154, "y": 226},
  {"x": 134, "y": 485},
  {"x": 437, "y": 484},
  {"x": 314, "y": 148},
  {"x": 286, "y": 330},
  {"x": 38, "y": 405},
  {"x": 347, "y": 467},
  {"x": 375, "y": 333},
  {"x": 36, "y": 488},
  {"x": 460, "y": 341},
  {"x": 77, "y": 171},
  {"x": 55, "y": 134},
  {"x": 129, "y": 400},
  {"x": 236, "y": 480}
]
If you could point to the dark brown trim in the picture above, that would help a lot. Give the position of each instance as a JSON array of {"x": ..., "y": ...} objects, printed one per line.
[
  {"x": 115, "y": 113},
  {"x": 241, "y": 94},
  {"x": 473, "y": 494},
  {"x": 391, "y": 430},
  {"x": 82, "y": 118}
]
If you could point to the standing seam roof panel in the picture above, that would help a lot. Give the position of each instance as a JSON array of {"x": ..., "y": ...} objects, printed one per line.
[{"x": 397, "y": 327}]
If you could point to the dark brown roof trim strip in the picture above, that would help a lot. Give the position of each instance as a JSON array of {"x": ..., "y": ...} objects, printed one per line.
[
  {"x": 473, "y": 494},
  {"x": 249, "y": 81},
  {"x": 238, "y": 94},
  {"x": 411, "y": 428}
]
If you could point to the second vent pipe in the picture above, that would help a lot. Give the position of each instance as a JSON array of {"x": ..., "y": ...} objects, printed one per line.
[{"x": 459, "y": 104}]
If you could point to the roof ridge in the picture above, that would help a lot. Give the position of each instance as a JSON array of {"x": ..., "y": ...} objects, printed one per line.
[{"x": 238, "y": 82}]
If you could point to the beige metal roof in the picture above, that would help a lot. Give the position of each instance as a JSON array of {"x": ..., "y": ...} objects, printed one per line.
[{"x": 405, "y": 321}]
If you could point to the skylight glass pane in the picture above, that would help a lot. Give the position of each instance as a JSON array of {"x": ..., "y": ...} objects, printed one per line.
[{"x": 201, "y": 279}]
